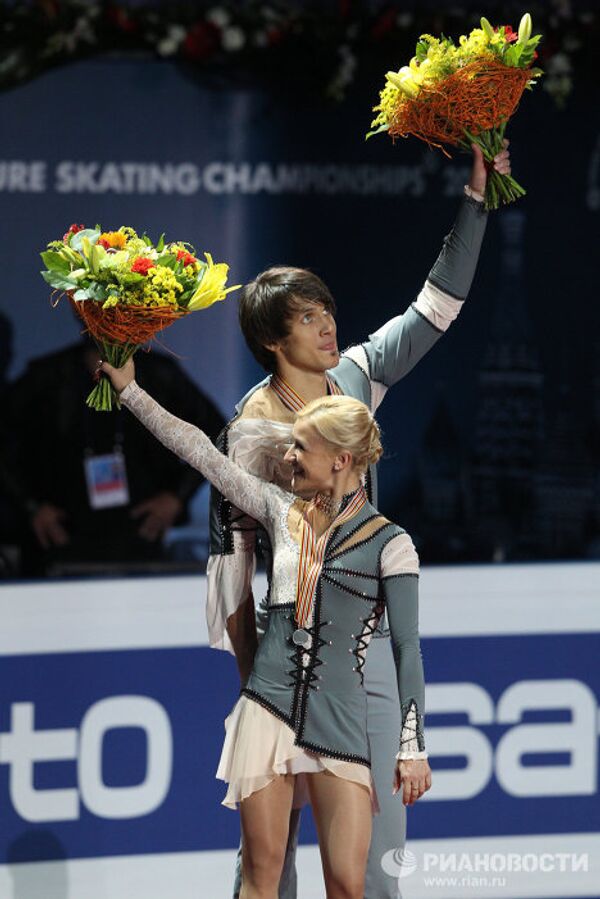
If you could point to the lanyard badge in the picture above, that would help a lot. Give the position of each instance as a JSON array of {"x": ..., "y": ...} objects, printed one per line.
[{"x": 106, "y": 479}]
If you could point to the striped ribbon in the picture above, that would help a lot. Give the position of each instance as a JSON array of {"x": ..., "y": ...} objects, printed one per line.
[
  {"x": 291, "y": 399},
  {"x": 312, "y": 555}
]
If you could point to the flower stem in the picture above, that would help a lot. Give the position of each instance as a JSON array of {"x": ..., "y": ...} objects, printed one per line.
[{"x": 500, "y": 189}]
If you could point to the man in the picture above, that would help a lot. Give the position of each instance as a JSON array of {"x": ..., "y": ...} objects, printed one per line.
[{"x": 287, "y": 317}]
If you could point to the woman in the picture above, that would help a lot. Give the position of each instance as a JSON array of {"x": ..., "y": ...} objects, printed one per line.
[{"x": 301, "y": 719}]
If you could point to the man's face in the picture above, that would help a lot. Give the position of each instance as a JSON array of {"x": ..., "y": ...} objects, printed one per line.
[{"x": 311, "y": 344}]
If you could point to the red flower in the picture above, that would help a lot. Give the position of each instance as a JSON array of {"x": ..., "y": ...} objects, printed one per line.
[
  {"x": 202, "y": 41},
  {"x": 384, "y": 24},
  {"x": 275, "y": 36},
  {"x": 104, "y": 243},
  {"x": 72, "y": 230},
  {"x": 509, "y": 34},
  {"x": 186, "y": 257},
  {"x": 122, "y": 19},
  {"x": 142, "y": 265}
]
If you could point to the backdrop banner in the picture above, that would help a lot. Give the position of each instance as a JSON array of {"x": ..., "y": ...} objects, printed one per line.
[
  {"x": 261, "y": 179},
  {"x": 111, "y": 723}
]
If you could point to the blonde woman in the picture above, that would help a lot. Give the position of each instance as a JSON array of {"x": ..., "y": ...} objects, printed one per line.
[{"x": 299, "y": 726}]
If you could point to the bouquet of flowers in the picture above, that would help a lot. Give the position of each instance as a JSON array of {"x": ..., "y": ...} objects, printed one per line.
[
  {"x": 126, "y": 289},
  {"x": 459, "y": 94}
]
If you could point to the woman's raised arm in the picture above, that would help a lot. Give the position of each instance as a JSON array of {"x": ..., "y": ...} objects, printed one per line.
[{"x": 251, "y": 494}]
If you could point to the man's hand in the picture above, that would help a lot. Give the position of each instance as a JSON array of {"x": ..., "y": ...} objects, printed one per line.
[
  {"x": 241, "y": 630},
  {"x": 413, "y": 776},
  {"x": 478, "y": 179},
  {"x": 47, "y": 524},
  {"x": 157, "y": 515}
]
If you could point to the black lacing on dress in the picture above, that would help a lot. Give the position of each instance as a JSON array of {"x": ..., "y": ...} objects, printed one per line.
[
  {"x": 362, "y": 639},
  {"x": 408, "y": 732},
  {"x": 295, "y": 673}
]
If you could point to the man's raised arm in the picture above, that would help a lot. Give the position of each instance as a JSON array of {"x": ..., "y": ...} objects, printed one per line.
[{"x": 394, "y": 349}]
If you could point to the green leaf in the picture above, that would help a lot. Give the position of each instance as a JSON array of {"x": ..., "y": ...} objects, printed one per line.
[
  {"x": 55, "y": 262},
  {"x": 512, "y": 55},
  {"x": 168, "y": 260},
  {"x": 96, "y": 291},
  {"x": 184, "y": 297},
  {"x": 129, "y": 279},
  {"x": 88, "y": 233},
  {"x": 379, "y": 130},
  {"x": 161, "y": 243},
  {"x": 421, "y": 50},
  {"x": 58, "y": 281}
]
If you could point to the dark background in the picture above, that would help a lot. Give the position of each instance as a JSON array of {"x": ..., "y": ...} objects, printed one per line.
[{"x": 492, "y": 442}]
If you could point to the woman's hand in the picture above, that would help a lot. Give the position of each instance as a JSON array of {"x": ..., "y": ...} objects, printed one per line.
[
  {"x": 413, "y": 776},
  {"x": 120, "y": 377},
  {"x": 478, "y": 178}
]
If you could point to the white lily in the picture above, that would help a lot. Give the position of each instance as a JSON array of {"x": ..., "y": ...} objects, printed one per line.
[
  {"x": 409, "y": 86},
  {"x": 393, "y": 78},
  {"x": 486, "y": 26},
  {"x": 525, "y": 27}
]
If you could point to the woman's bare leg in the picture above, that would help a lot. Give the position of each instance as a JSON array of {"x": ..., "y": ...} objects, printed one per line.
[
  {"x": 265, "y": 818},
  {"x": 342, "y": 812}
]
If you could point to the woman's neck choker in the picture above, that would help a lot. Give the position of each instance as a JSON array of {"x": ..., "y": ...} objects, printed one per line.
[{"x": 330, "y": 507}]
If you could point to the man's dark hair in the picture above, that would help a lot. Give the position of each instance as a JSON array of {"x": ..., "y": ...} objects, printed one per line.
[{"x": 268, "y": 303}]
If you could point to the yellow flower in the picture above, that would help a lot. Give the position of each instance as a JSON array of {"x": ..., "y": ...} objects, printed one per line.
[
  {"x": 161, "y": 287},
  {"x": 115, "y": 239},
  {"x": 388, "y": 103},
  {"x": 111, "y": 301},
  {"x": 212, "y": 286}
]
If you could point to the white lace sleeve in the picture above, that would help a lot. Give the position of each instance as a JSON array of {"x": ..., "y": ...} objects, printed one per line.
[{"x": 249, "y": 493}]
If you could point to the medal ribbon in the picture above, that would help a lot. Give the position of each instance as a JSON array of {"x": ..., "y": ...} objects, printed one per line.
[
  {"x": 291, "y": 399},
  {"x": 312, "y": 556}
]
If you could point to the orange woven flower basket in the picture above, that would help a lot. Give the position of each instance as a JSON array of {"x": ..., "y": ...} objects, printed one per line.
[
  {"x": 125, "y": 324},
  {"x": 476, "y": 98}
]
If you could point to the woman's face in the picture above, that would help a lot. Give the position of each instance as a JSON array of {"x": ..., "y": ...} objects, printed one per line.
[{"x": 312, "y": 460}]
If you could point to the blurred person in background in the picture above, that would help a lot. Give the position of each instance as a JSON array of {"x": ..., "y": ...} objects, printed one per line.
[
  {"x": 10, "y": 498},
  {"x": 96, "y": 488}
]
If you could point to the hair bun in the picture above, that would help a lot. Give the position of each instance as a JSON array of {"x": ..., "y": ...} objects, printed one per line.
[{"x": 375, "y": 450}]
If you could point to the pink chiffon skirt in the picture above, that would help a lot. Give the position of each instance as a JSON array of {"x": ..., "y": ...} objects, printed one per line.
[{"x": 259, "y": 747}]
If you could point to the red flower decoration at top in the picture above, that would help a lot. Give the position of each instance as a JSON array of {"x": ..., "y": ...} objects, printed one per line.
[
  {"x": 509, "y": 34},
  {"x": 72, "y": 230},
  {"x": 142, "y": 265},
  {"x": 202, "y": 41},
  {"x": 185, "y": 257}
]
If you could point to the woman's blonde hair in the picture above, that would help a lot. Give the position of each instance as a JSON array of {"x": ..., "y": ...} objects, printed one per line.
[{"x": 346, "y": 424}]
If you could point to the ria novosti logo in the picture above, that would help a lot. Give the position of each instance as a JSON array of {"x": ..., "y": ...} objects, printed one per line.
[{"x": 24, "y": 746}]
